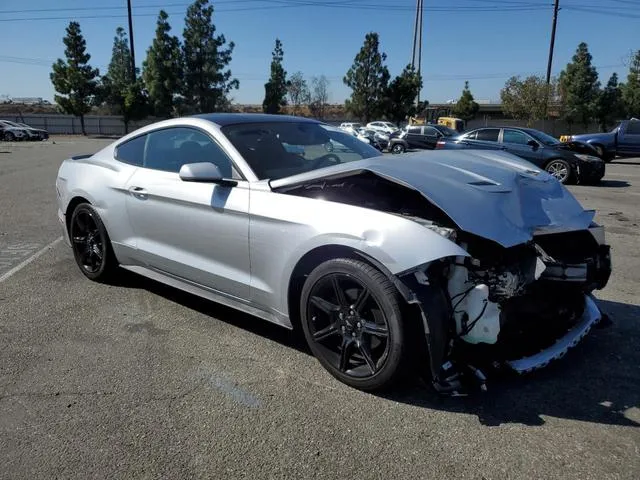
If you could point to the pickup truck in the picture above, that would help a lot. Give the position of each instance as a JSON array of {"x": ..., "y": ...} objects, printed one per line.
[{"x": 623, "y": 141}]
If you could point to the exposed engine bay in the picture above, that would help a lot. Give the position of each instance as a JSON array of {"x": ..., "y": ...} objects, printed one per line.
[{"x": 519, "y": 307}]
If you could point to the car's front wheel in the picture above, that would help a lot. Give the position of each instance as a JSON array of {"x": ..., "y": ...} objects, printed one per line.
[
  {"x": 560, "y": 170},
  {"x": 9, "y": 137},
  {"x": 91, "y": 245},
  {"x": 397, "y": 148},
  {"x": 352, "y": 321}
]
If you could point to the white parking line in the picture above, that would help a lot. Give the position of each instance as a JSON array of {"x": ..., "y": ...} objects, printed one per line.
[{"x": 26, "y": 262}]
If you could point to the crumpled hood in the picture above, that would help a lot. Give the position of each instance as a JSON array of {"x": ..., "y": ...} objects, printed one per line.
[{"x": 492, "y": 194}]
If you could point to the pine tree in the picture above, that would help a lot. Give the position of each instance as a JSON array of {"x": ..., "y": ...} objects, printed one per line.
[
  {"x": 401, "y": 95},
  {"x": 162, "y": 69},
  {"x": 466, "y": 108},
  {"x": 207, "y": 80},
  {"x": 123, "y": 95},
  {"x": 609, "y": 107},
  {"x": 579, "y": 88},
  {"x": 275, "y": 90},
  {"x": 74, "y": 79},
  {"x": 368, "y": 78},
  {"x": 631, "y": 89}
]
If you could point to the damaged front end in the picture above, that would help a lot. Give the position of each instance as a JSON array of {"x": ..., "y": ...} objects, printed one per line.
[{"x": 520, "y": 307}]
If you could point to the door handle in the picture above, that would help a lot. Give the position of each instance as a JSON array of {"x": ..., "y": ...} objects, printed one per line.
[{"x": 139, "y": 192}]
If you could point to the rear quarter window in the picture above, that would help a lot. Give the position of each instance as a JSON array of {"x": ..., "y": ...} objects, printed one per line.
[{"x": 132, "y": 151}]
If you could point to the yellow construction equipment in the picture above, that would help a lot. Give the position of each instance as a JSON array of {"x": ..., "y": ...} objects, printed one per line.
[{"x": 452, "y": 122}]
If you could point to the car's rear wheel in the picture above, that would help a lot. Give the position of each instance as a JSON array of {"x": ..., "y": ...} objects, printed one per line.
[
  {"x": 397, "y": 148},
  {"x": 560, "y": 170},
  {"x": 9, "y": 137},
  {"x": 91, "y": 245},
  {"x": 352, "y": 321}
]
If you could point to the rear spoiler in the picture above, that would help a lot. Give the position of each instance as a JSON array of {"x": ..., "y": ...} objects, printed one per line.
[{"x": 81, "y": 157}]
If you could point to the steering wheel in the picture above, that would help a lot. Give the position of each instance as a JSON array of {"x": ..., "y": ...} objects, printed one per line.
[{"x": 326, "y": 161}]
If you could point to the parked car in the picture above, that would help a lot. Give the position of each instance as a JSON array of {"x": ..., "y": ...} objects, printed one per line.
[
  {"x": 11, "y": 133},
  {"x": 351, "y": 127},
  {"x": 377, "y": 139},
  {"x": 568, "y": 162},
  {"x": 29, "y": 133},
  {"x": 387, "y": 266},
  {"x": 419, "y": 136},
  {"x": 623, "y": 141},
  {"x": 382, "y": 127}
]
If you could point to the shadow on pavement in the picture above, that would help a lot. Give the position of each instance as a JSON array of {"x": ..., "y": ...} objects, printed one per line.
[
  {"x": 598, "y": 381},
  {"x": 613, "y": 183}
]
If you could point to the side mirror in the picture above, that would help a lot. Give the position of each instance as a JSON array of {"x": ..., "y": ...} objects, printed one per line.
[
  {"x": 533, "y": 144},
  {"x": 205, "y": 172}
]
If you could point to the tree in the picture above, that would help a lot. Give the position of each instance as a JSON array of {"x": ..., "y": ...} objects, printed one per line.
[
  {"x": 275, "y": 90},
  {"x": 319, "y": 96},
  {"x": 207, "y": 80},
  {"x": 466, "y": 108},
  {"x": 631, "y": 89},
  {"x": 298, "y": 92},
  {"x": 526, "y": 99},
  {"x": 401, "y": 95},
  {"x": 74, "y": 79},
  {"x": 609, "y": 107},
  {"x": 579, "y": 88},
  {"x": 162, "y": 69},
  {"x": 368, "y": 78},
  {"x": 123, "y": 95}
]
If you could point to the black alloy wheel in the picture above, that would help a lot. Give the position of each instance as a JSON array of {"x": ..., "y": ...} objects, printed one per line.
[
  {"x": 560, "y": 170},
  {"x": 90, "y": 243},
  {"x": 352, "y": 322},
  {"x": 397, "y": 148}
]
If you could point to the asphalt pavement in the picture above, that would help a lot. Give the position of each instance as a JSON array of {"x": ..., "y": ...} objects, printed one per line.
[{"x": 136, "y": 380}]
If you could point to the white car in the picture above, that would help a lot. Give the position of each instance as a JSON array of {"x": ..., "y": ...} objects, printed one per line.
[
  {"x": 382, "y": 127},
  {"x": 351, "y": 127}
]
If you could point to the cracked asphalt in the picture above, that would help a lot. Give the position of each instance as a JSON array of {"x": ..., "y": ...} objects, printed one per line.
[{"x": 135, "y": 380}]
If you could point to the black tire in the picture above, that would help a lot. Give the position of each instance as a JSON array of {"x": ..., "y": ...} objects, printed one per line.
[
  {"x": 9, "y": 137},
  {"x": 561, "y": 170},
  {"x": 90, "y": 243},
  {"x": 398, "y": 148},
  {"x": 358, "y": 335}
]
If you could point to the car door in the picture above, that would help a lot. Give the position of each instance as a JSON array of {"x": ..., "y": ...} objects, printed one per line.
[
  {"x": 430, "y": 137},
  {"x": 485, "y": 138},
  {"x": 191, "y": 230},
  {"x": 629, "y": 141},
  {"x": 516, "y": 142},
  {"x": 414, "y": 137}
]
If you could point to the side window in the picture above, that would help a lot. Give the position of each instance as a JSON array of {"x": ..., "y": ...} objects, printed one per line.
[
  {"x": 414, "y": 130},
  {"x": 431, "y": 132},
  {"x": 488, "y": 134},
  {"x": 170, "y": 148},
  {"x": 514, "y": 136},
  {"x": 470, "y": 135},
  {"x": 633, "y": 128},
  {"x": 132, "y": 152}
]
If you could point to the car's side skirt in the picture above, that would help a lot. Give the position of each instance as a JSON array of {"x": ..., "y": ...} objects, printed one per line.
[{"x": 208, "y": 293}]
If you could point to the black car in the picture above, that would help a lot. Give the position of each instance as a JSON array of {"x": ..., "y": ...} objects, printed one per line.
[
  {"x": 569, "y": 162},
  {"x": 419, "y": 136}
]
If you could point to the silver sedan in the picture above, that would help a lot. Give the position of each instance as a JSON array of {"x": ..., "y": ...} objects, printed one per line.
[{"x": 447, "y": 263}]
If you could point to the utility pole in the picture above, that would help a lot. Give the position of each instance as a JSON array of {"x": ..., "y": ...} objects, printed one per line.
[
  {"x": 551, "y": 44},
  {"x": 553, "y": 40},
  {"x": 133, "y": 55},
  {"x": 416, "y": 55}
]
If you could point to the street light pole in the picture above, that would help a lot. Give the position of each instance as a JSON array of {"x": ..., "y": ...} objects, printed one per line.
[
  {"x": 133, "y": 55},
  {"x": 553, "y": 40},
  {"x": 416, "y": 56}
]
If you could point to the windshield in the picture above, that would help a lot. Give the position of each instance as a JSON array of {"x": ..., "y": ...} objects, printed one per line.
[
  {"x": 276, "y": 150},
  {"x": 543, "y": 137},
  {"x": 448, "y": 132}
]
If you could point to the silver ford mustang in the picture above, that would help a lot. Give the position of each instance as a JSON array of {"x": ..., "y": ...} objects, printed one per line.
[{"x": 449, "y": 263}]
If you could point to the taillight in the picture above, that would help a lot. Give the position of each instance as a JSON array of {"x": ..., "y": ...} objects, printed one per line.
[{"x": 440, "y": 144}]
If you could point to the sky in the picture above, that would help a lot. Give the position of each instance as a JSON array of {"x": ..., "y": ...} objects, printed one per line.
[{"x": 483, "y": 41}]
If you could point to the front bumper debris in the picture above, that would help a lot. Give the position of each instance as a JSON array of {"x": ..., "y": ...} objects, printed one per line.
[{"x": 558, "y": 350}]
